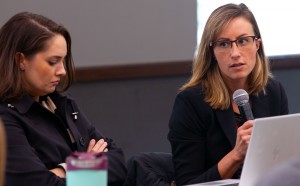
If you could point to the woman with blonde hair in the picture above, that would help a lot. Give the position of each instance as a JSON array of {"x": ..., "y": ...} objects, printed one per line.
[{"x": 208, "y": 135}]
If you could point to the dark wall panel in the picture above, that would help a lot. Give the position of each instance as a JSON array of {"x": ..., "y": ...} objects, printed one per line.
[{"x": 135, "y": 112}]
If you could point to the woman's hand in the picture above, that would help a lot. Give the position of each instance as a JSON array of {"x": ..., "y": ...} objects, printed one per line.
[
  {"x": 232, "y": 161},
  {"x": 59, "y": 172},
  {"x": 99, "y": 146},
  {"x": 242, "y": 140}
]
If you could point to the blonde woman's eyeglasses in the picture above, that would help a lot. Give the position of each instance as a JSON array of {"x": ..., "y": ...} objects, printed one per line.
[{"x": 225, "y": 45}]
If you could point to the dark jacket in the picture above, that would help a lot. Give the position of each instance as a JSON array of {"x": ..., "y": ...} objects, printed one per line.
[
  {"x": 201, "y": 136},
  {"x": 37, "y": 140}
]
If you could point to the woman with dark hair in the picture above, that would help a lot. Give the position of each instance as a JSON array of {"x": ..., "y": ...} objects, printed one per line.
[
  {"x": 43, "y": 123},
  {"x": 208, "y": 135}
]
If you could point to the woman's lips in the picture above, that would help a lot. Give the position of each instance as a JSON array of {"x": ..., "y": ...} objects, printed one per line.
[{"x": 237, "y": 65}]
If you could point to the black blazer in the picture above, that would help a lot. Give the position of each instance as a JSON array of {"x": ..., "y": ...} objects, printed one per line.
[
  {"x": 201, "y": 136},
  {"x": 37, "y": 141}
]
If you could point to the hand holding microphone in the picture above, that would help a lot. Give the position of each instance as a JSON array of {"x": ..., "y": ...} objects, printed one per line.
[{"x": 241, "y": 98}]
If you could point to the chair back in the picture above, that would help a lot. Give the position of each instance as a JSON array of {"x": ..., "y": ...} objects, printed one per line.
[{"x": 150, "y": 168}]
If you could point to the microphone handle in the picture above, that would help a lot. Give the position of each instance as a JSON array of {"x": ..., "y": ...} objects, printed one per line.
[{"x": 246, "y": 111}]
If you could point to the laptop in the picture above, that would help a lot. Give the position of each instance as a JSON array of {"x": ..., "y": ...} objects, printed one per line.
[{"x": 273, "y": 141}]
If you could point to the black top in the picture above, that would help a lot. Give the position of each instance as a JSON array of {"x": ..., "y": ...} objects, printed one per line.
[
  {"x": 201, "y": 136},
  {"x": 37, "y": 140}
]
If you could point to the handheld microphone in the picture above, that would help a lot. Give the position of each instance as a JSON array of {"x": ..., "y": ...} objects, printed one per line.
[{"x": 241, "y": 98}]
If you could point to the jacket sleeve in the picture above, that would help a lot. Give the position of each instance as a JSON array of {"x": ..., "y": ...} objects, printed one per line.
[
  {"x": 187, "y": 135},
  {"x": 116, "y": 161},
  {"x": 23, "y": 164}
]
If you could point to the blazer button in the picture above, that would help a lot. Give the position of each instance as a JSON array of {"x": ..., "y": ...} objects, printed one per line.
[{"x": 82, "y": 141}]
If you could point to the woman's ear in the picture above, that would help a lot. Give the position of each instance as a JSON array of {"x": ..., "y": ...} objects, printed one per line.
[
  {"x": 258, "y": 43},
  {"x": 20, "y": 59}
]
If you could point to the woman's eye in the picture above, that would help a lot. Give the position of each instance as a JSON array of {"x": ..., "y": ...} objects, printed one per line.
[
  {"x": 223, "y": 44},
  {"x": 243, "y": 41},
  {"x": 52, "y": 62}
]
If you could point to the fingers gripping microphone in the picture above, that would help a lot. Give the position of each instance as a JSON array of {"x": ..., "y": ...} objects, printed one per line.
[{"x": 241, "y": 98}]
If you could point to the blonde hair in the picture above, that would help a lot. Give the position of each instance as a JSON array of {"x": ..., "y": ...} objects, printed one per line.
[{"x": 205, "y": 70}]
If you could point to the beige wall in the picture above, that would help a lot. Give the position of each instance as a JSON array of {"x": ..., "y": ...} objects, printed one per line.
[{"x": 110, "y": 32}]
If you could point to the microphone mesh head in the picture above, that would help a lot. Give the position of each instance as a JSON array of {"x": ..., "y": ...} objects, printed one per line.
[{"x": 240, "y": 97}]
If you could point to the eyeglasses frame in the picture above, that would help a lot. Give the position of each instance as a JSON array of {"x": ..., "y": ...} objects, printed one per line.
[{"x": 211, "y": 44}]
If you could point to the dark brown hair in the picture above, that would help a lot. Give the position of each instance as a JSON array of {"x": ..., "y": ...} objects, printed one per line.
[{"x": 28, "y": 33}]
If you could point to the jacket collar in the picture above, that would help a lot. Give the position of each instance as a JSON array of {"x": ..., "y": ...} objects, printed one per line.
[
  {"x": 25, "y": 102},
  {"x": 260, "y": 105}
]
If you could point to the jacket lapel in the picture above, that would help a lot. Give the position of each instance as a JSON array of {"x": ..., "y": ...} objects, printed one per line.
[
  {"x": 260, "y": 105},
  {"x": 226, "y": 119},
  {"x": 228, "y": 124}
]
